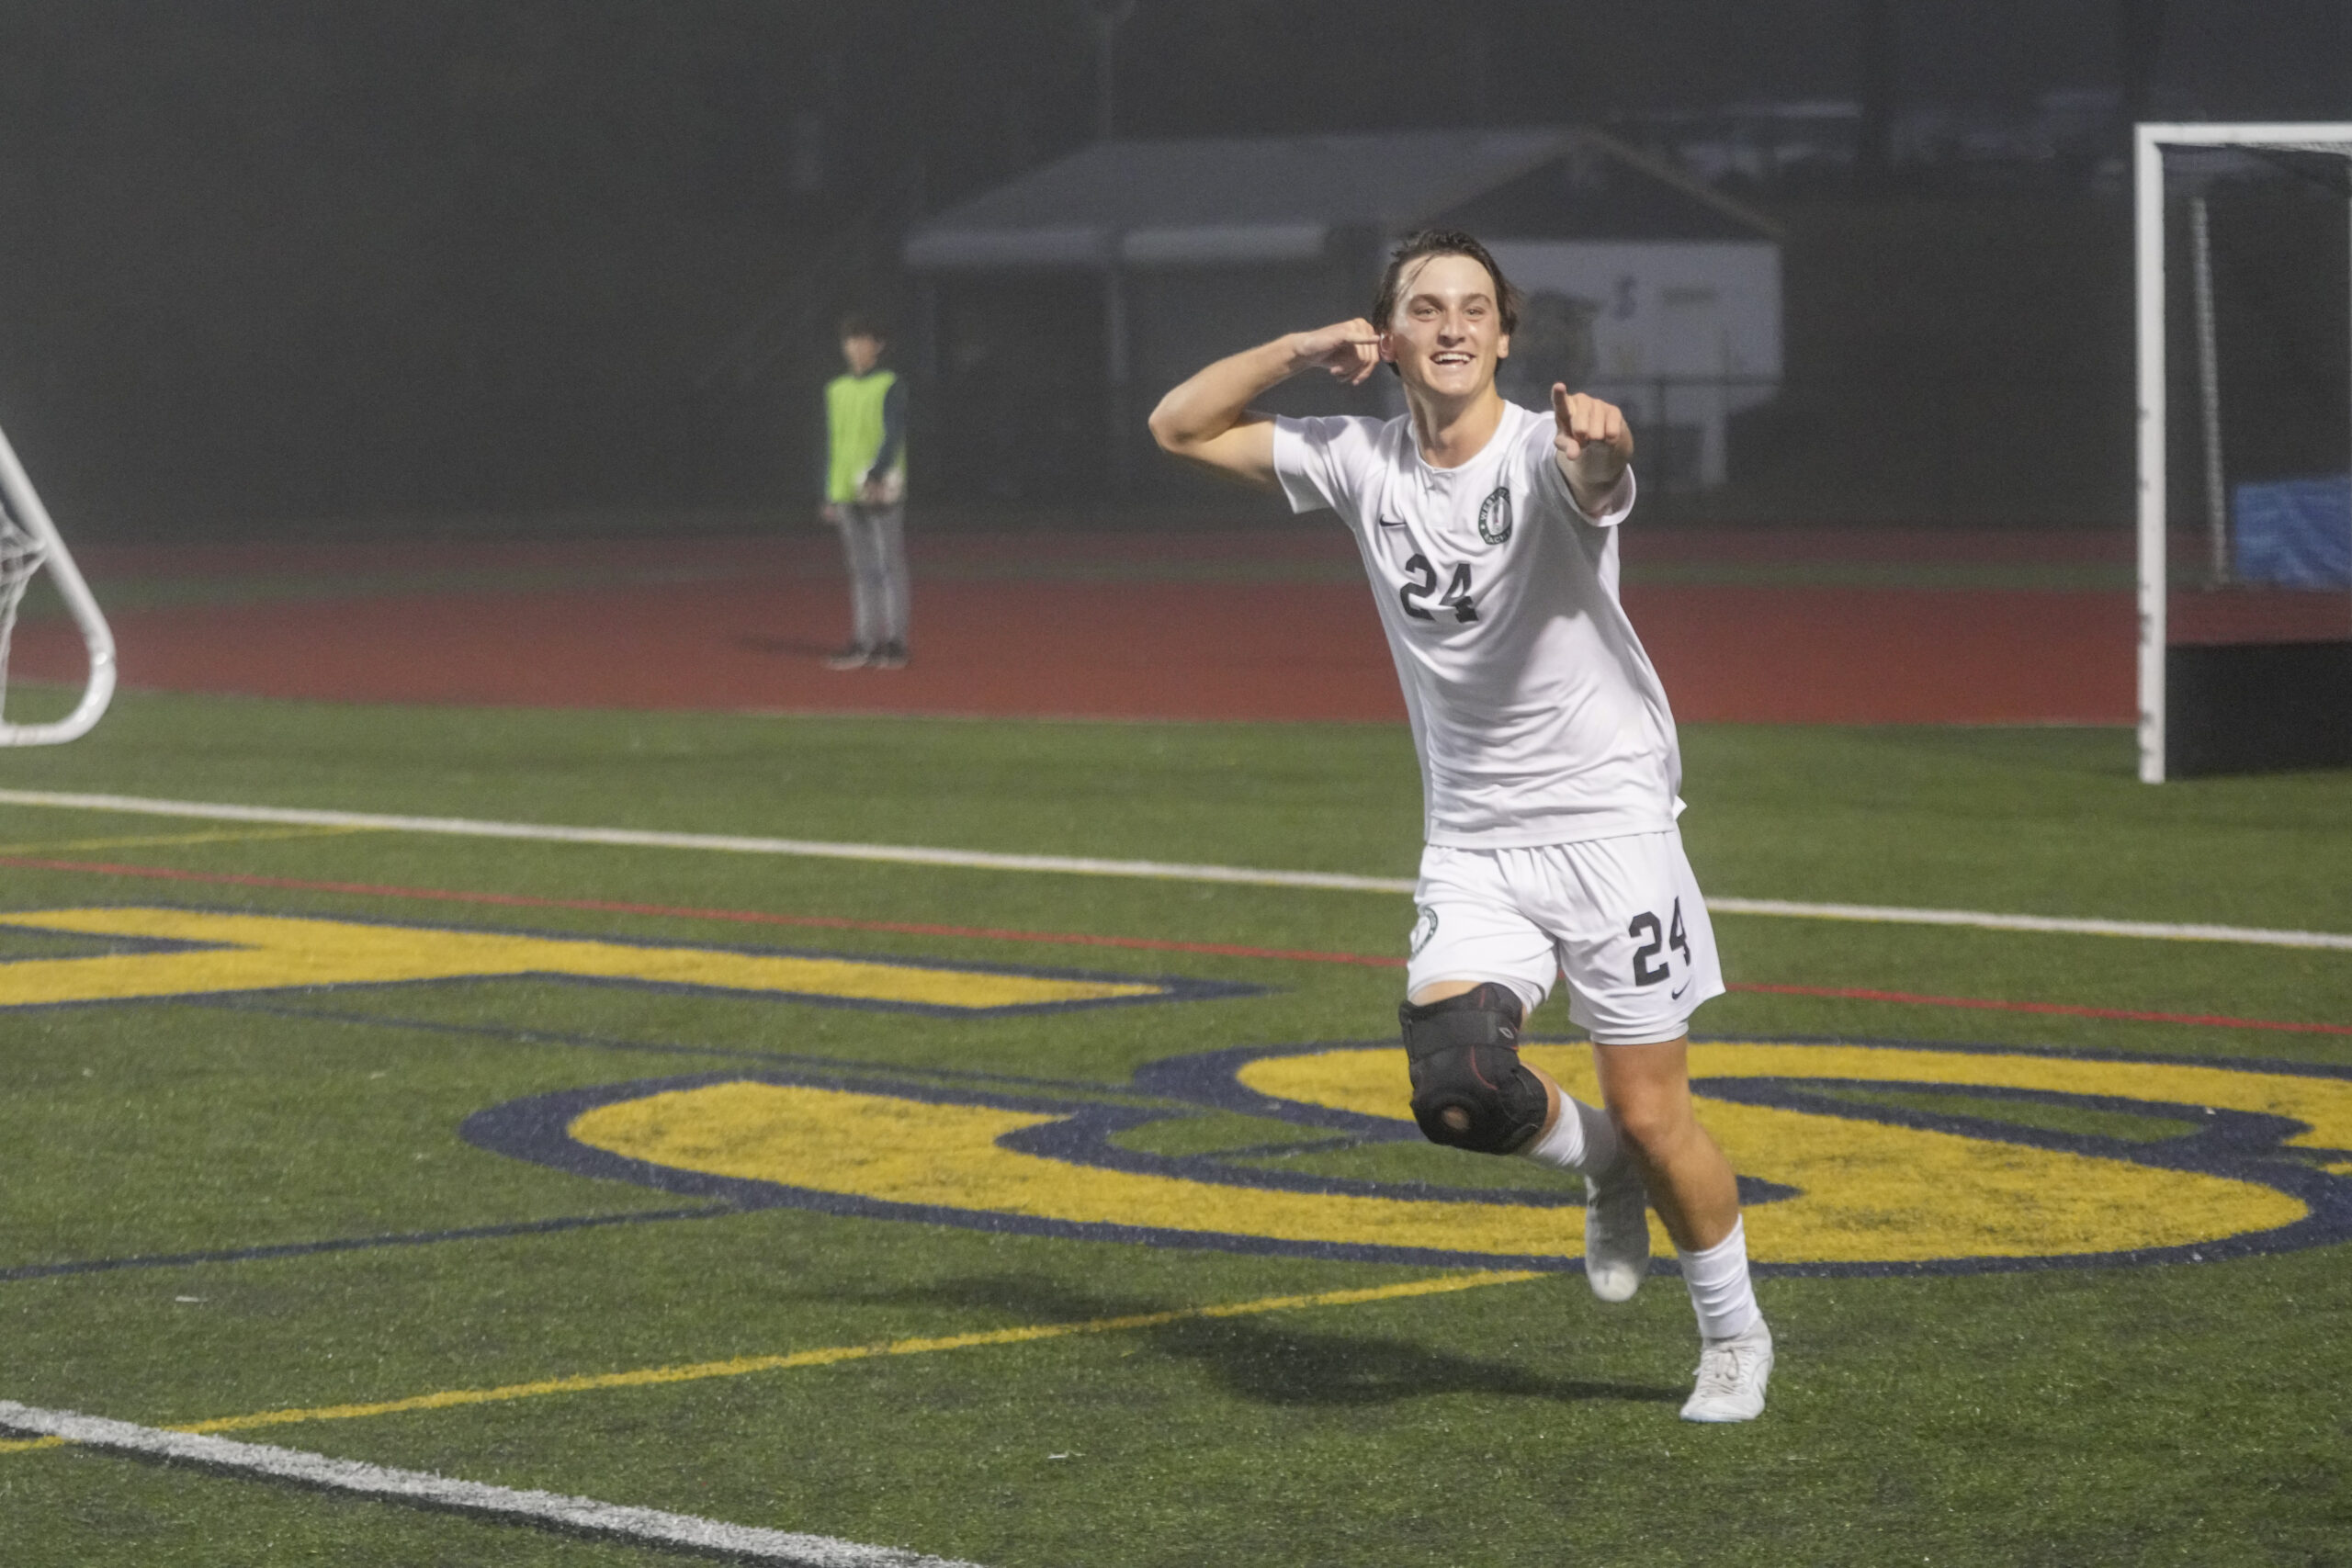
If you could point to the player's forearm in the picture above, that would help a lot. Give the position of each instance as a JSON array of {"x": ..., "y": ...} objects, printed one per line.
[
  {"x": 1207, "y": 405},
  {"x": 1594, "y": 486}
]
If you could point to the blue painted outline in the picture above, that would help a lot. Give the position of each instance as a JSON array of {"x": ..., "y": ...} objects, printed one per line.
[
  {"x": 105, "y": 946},
  {"x": 2238, "y": 1145},
  {"x": 272, "y": 1250},
  {"x": 535, "y": 1129},
  {"x": 525, "y": 1034},
  {"x": 1174, "y": 987},
  {"x": 1085, "y": 1139}
]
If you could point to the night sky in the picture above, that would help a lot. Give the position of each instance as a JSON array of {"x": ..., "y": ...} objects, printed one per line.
[{"x": 275, "y": 264}]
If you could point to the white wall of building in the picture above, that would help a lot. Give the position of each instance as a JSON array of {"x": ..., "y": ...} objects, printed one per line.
[{"x": 1685, "y": 334}]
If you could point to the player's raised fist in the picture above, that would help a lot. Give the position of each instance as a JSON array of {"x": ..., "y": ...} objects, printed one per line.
[{"x": 1349, "y": 350}]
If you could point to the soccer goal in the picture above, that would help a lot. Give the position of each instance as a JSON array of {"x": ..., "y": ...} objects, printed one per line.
[
  {"x": 2245, "y": 293},
  {"x": 30, "y": 547}
]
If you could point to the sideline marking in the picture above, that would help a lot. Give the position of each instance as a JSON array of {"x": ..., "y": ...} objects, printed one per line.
[
  {"x": 2159, "y": 930},
  {"x": 158, "y": 840},
  {"x": 646, "y": 1377},
  {"x": 637, "y": 838},
  {"x": 652, "y": 1526},
  {"x": 1087, "y": 866},
  {"x": 1087, "y": 939}
]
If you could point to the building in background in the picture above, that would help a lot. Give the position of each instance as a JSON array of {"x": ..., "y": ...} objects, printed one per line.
[{"x": 1057, "y": 307}]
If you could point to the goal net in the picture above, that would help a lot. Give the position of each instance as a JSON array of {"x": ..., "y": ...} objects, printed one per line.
[
  {"x": 2244, "y": 282},
  {"x": 34, "y": 559}
]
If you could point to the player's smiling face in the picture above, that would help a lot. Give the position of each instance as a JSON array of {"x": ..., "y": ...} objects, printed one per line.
[{"x": 1447, "y": 334}]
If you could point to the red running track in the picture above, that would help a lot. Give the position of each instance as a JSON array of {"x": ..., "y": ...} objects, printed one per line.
[{"x": 1249, "y": 625}]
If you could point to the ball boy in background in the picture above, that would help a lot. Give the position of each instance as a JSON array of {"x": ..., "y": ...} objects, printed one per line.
[{"x": 865, "y": 496}]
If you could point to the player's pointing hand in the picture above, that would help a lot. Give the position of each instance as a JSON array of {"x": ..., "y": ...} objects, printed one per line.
[
  {"x": 1592, "y": 441},
  {"x": 1349, "y": 350}
]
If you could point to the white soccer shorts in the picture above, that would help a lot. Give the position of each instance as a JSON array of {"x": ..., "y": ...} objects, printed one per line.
[{"x": 1621, "y": 919}]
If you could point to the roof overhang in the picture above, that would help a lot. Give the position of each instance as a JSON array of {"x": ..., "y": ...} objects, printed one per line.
[
  {"x": 1210, "y": 244},
  {"x": 939, "y": 248},
  {"x": 1256, "y": 200}
]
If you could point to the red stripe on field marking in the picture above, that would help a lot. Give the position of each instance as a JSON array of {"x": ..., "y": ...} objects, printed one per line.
[
  {"x": 1083, "y": 938},
  {"x": 741, "y": 916},
  {"x": 1846, "y": 993}
]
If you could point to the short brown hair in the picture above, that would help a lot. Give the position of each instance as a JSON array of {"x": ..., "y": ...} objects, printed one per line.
[
  {"x": 857, "y": 323},
  {"x": 1442, "y": 242}
]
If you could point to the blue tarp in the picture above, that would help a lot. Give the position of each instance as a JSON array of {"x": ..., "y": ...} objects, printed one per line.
[{"x": 2294, "y": 533}]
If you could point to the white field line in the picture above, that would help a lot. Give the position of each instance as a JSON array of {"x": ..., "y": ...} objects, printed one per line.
[
  {"x": 2158, "y": 930},
  {"x": 650, "y": 1526},
  {"x": 637, "y": 838},
  {"x": 982, "y": 859}
]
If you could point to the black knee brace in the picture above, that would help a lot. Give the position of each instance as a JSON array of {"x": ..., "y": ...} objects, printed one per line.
[{"x": 1470, "y": 1089}]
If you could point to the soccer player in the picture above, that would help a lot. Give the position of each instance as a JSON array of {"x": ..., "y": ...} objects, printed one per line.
[
  {"x": 865, "y": 495},
  {"x": 1549, "y": 765}
]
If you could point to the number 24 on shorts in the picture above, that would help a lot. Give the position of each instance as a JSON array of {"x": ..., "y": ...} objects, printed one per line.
[{"x": 1671, "y": 935}]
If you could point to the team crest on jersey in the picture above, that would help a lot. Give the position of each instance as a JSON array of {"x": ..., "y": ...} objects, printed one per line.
[
  {"x": 1423, "y": 928},
  {"x": 1494, "y": 516}
]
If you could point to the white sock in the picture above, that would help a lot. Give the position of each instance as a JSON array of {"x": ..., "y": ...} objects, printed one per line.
[
  {"x": 1583, "y": 1139},
  {"x": 1720, "y": 1292}
]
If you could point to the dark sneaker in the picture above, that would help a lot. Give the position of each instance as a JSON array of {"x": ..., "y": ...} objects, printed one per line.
[{"x": 890, "y": 656}]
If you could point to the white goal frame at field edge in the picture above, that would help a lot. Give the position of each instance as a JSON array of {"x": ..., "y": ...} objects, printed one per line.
[
  {"x": 32, "y": 519},
  {"x": 2148, "y": 218}
]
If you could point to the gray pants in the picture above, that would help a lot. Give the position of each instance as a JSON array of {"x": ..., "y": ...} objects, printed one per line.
[{"x": 873, "y": 538}]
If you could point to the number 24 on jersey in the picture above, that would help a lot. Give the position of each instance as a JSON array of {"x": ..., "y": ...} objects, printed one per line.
[{"x": 1455, "y": 598}]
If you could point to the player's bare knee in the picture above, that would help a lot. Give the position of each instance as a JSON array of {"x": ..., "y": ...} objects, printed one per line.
[
  {"x": 1470, "y": 1089},
  {"x": 1655, "y": 1125}
]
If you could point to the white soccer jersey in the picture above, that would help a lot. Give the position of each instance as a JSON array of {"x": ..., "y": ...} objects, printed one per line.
[{"x": 1537, "y": 716}]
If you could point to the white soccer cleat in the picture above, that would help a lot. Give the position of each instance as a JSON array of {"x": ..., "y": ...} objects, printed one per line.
[
  {"x": 1616, "y": 1233},
  {"x": 1732, "y": 1375}
]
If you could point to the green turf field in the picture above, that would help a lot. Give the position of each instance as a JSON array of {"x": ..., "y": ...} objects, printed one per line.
[{"x": 568, "y": 1141}]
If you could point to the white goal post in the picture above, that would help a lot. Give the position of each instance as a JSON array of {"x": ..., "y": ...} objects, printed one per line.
[
  {"x": 29, "y": 545},
  {"x": 2318, "y": 141}
]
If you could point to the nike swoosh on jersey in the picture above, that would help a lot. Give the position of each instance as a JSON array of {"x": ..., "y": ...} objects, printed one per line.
[
  {"x": 1392, "y": 521},
  {"x": 1676, "y": 995}
]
